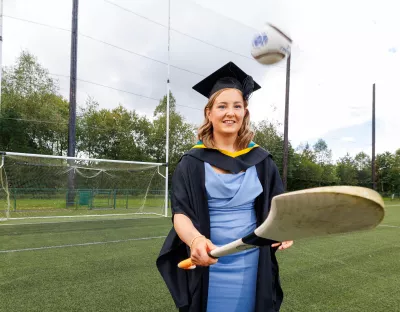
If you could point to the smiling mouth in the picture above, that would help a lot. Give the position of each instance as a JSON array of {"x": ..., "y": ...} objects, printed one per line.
[{"x": 229, "y": 122}]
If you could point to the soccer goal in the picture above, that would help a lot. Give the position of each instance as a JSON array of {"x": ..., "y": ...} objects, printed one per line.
[{"x": 51, "y": 187}]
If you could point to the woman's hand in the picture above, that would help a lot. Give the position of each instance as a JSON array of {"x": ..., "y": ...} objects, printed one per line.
[
  {"x": 283, "y": 245},
  {"x": 201, "y": 246}
]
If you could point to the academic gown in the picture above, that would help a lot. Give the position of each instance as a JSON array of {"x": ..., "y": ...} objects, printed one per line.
[{"x": 189, "y": 288}]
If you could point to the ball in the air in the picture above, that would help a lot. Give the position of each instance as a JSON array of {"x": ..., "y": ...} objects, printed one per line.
[{"x": 270, "y": 45}]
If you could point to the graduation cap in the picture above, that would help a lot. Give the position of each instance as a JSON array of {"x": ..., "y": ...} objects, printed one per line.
[{"x": 228, "y": 76}]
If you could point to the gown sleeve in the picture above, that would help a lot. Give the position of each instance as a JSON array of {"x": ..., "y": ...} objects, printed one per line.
[
  {"x": 181, "y": 198},
  {"x": 174, "y": 249},
  {"x": 276, "y": 185},
  {"x": 275, "y": 188}
]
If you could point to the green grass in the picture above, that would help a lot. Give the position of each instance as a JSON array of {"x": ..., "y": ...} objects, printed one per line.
[
  {"x": 118, "y": 276},
  {"x": 58, "y": 203},
  {"x": 46, "y": 207},
  {"x": 354, "y": 272}
]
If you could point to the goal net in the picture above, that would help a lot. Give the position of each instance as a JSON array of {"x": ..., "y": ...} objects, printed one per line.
[{"x": 52, "y": 187}]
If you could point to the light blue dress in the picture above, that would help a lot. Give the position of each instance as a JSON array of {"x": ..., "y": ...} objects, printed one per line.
[{"x": 232, "y": 282}]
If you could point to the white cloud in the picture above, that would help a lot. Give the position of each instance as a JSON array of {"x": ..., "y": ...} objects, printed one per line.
[{"x": 348, "y": 139}]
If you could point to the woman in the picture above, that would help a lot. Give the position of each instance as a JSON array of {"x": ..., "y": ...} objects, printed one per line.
[{"x": 221, "y": 191}]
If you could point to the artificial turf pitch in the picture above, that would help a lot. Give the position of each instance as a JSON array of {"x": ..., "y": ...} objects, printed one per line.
[{"x": 109, "y": 265}]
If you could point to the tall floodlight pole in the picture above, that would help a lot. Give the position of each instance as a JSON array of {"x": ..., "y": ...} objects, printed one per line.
[
  {"x": 167, "y": 115},
  {"x": 373, "y": 139},
  {"x": 72, "y": 103},
  {"x": 286, "y": 127}
]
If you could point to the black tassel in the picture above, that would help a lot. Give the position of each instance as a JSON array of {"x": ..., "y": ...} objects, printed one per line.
[{"x": 248, "y": 87}]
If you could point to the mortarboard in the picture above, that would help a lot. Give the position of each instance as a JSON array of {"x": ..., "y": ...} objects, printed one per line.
[{"x": 228, "y": 76}]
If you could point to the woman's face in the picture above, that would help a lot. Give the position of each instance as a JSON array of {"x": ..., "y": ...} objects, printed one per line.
[{"x": 227, "y": 112}]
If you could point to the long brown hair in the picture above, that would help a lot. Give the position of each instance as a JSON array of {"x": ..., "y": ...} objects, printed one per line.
[{"x": 205, "y": 132}]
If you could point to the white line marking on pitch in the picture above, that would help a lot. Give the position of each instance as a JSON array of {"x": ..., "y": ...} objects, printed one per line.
[
  {"x": 82, "y": 244},
  {"x": 76, "y": 221},
  {"x": 387, "y": 225},
  {"x": 79, "y": 216}
]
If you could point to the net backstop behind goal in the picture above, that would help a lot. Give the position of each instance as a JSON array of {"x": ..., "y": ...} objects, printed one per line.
[{"x": 56, "y": 187}]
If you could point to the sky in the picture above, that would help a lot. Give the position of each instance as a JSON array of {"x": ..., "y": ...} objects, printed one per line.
[{"x": 340, "y": 48}]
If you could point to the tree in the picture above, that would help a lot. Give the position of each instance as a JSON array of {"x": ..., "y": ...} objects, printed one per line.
[
  {"x": 13, "y": 136},
  {"x": 27, "y": 77},
  {"x": 30, "y": 99},
  {"x": 112, "y": 134},
  {"x": 396, "y": 173},
  {"x": 386, "y": 167},
  {"x": 363, "y": 165},
  {"x": 347, "y": 171},
  {"x": 268, "y": 137},
  {"x": 181, "y": 134},
  {"x": 323, "y": 155},
  {"x": 307, "y": 152},
  {"x": 308, "y": 172}
]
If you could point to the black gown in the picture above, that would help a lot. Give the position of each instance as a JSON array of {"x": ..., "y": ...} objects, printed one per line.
[{"x": 189, "y": 288}]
